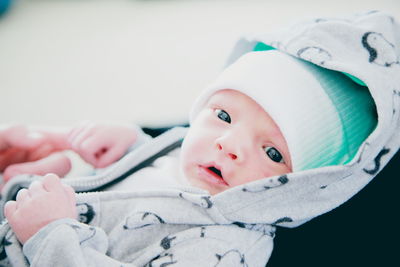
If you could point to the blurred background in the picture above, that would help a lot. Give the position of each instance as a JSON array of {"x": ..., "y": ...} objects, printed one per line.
[{"x": 143, "y": 61}]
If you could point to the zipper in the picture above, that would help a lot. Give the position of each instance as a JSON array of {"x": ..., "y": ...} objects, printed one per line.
[
  {"x": 139, "y": 158},
  {"x": 100, "y": 184}
]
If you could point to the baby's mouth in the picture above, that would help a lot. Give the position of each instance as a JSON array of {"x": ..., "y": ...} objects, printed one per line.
[
  {"x": 216, "y": 171},
  {"x": 216, "y": 174}
]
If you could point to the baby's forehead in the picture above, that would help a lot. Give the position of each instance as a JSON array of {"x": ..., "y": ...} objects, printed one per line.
[
  {"x": 233, "y": 97},
  {"x": 227, "y": 92},
  {"x": 236, "y": 99}
]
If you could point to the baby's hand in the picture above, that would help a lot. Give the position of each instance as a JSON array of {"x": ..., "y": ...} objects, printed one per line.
[
  {"x": 101, "y": 144},
  {"x": 41, "y": 204},
  {"x": 19, "y": 144}
]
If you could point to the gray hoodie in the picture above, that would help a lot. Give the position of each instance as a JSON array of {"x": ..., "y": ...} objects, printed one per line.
[{"x": 188, "y": 227}]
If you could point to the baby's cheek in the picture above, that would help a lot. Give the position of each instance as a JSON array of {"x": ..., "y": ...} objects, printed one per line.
[
  {"x": 260, "y": 170},
  {"x": 189, "y": 153},
  {"x": 274, "y": 170},
  {"x": 194, "y": 145},
  {"x": 243, "y": 176},
  {"x": 254, "y": 177}
]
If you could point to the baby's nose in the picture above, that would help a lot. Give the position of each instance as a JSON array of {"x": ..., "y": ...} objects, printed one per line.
[{"x": 229, "y": 154}]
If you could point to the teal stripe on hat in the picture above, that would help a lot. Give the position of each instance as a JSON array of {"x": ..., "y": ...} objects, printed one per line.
[
  {"x": 355, "y": 79},
  {"x": 262, "y": 47},
  {"x": 356, "y": 110}
]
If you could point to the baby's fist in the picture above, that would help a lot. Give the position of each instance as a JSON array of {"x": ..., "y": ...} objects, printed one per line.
[{"x": 41, "y": 204}]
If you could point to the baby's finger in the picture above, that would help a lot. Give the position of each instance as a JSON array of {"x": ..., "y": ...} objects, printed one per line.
[
  {"x": 52, "y": 183},
  {"x": 9, "y": 209},
  {"x": 76, "y": 130},
  {"x": 82, "y": 136},
  {"x": 71, "y": 193},
  {"x": 71, "y": 196},
  {"x": 41, "y": 152},
  {"x": 110, "y": 156},
  {"x": 36, "y": 188},
  {"x": 56, "y": 163},
  {"x": 90, "y": 149},
  {"x": 22, "y": 195}
]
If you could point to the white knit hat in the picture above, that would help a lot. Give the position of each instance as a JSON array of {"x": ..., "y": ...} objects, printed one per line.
[{"x": 322, "y": 114}]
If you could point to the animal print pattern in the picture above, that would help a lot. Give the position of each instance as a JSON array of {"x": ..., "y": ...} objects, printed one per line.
[
  {"x": 269, "y": 184},
  {"x": 381, "y": 52},
  {"x": 283, "y": 220},
  {"x": 266, "y": 229},
  {"x": 83, "y": 233},
  {"x": 314, "y": 54},
  {"x": 230, "y": 256},
  {"x": 396, "y": 100},
  {"x": 377, "y": 162},
  {"x": 86, "y": 212},
  {"x": 162, "y": 260},
  {"x": 202, "y": 201},
  {"x": 4, "y": 244},
  {"x": 141, "y": 220}
]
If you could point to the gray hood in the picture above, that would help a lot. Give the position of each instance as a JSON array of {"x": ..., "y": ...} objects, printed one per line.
[{"x": 363, "y": 46}]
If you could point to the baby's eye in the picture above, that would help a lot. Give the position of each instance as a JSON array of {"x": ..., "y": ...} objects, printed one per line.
[
  {"x": 274, "y": 154},
  {"x": 223, "y": 115}
]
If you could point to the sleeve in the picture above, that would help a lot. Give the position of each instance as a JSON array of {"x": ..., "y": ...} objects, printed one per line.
[
  {"x": 223, "y": 248},
  {"x": 201, "y": 252},
  {"x": 67, "y": 242}
]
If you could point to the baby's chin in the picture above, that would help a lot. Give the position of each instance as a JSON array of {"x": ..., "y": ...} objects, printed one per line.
[{"x": 212, "y": 189}]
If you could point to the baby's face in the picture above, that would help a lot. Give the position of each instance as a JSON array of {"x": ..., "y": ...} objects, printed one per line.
[{"x": 232, "y": 141}]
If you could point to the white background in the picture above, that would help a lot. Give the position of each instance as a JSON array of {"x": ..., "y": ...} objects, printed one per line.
[{"x": 130, "y": 61}]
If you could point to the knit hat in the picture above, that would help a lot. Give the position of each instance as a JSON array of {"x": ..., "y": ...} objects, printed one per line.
[{"x": 323, "y": 115}]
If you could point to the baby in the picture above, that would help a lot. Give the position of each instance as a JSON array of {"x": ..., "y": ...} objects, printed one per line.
[{"x": 269, "y": 143}]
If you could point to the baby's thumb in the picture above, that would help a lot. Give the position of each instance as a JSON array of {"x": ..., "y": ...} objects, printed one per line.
[{"x": 9, "y": 208}]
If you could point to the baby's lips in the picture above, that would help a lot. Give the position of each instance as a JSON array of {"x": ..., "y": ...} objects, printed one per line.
[{"x": 221, "y": 170}]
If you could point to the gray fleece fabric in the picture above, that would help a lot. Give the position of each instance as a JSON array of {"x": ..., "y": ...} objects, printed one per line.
[{"x": 188, "y": 227}]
